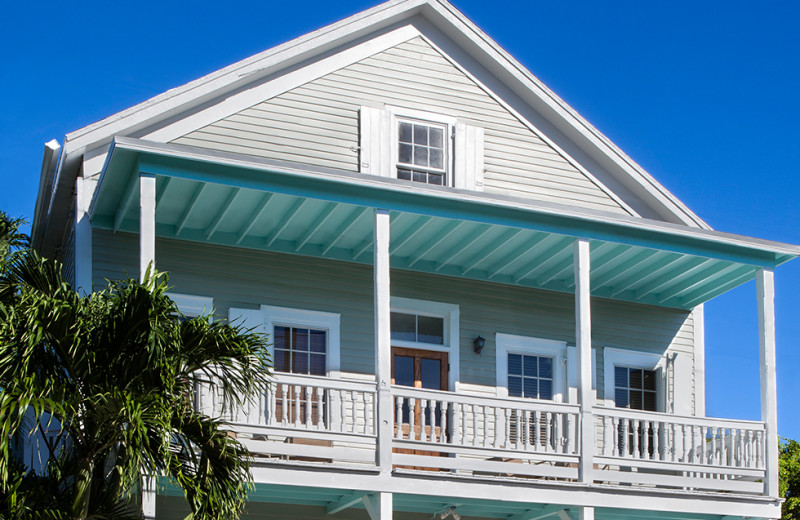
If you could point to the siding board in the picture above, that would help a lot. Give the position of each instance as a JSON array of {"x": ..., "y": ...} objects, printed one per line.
[{"x": 317, "y": 123}]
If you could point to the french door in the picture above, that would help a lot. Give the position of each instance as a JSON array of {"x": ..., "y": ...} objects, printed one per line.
[{"x": 419, "y": 368}]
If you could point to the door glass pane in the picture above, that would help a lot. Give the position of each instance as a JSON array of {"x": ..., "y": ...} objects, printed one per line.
[
  {"x": 430, "y": 330},
  {"x": 431, "y": 374},
  {"x": 404, "y": 370}
]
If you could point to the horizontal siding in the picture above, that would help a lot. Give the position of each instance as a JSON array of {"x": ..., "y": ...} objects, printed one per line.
[
  {"x": 317, "y": 123},
  {"x": 246, "y": 279}
]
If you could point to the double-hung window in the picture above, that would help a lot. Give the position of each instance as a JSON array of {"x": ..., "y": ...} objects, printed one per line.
[
  {"x": 530, "y": 376},
  {"x": 422, "y": 152},
  {"x": 635, "y": 388},
  {"x": 300, "y": 350}
]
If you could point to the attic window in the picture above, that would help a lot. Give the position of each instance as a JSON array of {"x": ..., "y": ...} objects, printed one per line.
[{"x": 422, "y": 152}]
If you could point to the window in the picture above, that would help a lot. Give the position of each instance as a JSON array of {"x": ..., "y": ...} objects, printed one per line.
[
  {"x": 422, "y": 152},
  {"x": 532, "y": 368},
  {"x": 420, "y": 147},
  {"x": 416, "y": 328},
  {"x": 635, "y": 388},
  {"x": 300, "y": 350},
  {"x": 530, "y": 376}
]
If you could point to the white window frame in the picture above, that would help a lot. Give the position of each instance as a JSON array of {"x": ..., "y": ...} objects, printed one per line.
[
  {"x": 193, "y": 306},
  {"x": 302, "y": 318},
  {"x": 614, "y": 357},
  {"x": 399, "y": 115},
  {"x": 450, "y": 313},
  {"x": 506, "y": 344}
]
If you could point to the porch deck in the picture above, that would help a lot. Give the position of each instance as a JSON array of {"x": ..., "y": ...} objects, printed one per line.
[{"x": 315, "y": 420}]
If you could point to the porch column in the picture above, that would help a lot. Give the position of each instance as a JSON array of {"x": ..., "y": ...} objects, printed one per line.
[
  {"x": 147, "y": 224},
  {"x": 583, "y": 342},
  {"x": 585, "y": 513},
  {"x": 149, "y": 497},
  {"x": 378, "y": 506},
  {"x": 383, "y": 362},
  {"x": 765, "y": 288}
]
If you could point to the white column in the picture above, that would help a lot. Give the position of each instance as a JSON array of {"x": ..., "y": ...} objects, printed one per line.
[
  {"x": 765, "y": 288},
  {"x": 147, "y": 224},
  {"x": 378, "y": 506},
  {"x": 585, "y": 513},
  {"x": 583, "y": 341},
  {"x": 383, "y": 360},
  {"x": 148, "y": 497},
  {"x": 83, "y": 236}
]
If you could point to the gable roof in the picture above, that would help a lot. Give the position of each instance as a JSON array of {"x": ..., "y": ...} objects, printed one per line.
[{"x": 626, "y": 175}]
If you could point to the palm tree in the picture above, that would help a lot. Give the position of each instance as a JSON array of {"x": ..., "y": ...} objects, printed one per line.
[{"x": 115, "y": 373}]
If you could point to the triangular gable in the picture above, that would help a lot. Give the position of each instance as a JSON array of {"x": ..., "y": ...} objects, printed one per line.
[
  {"x": 444, "y": 25},
  {"x": 317, "y": 123}
]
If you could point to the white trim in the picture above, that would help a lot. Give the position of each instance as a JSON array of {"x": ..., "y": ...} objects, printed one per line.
[
  {"x": 147, "y": 224},
  {"x": 452, "y": 340},
  {"x": 82, "y": 251},
  {"x": 192, "y": 305},
  {"x": 633, "y": 359},
  {"x": 572, "y": 374},
  {"x": 396, "y": 114},
  {"x": 328, "y": 321},
  {"x": 506, "y": 344},
  {"x": 699, "y": 336}
]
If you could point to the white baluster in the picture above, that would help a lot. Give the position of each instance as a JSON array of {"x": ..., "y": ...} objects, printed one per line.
[
  {"x": 474, "y": 425},
  {"x": 456, "y": 424},
  {"x": 443, "y": 421}
]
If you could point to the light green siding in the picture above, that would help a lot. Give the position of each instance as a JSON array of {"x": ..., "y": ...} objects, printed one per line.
[
  {"x": 317, "y": 124},
  {"x": 246, "y": 279}
]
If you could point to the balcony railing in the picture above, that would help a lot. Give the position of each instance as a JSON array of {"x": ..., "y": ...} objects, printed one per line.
[{"x": 321, "y": 420}]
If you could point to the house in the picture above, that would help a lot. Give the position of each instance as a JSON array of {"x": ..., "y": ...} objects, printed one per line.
[{"x": 479, "y": 306}]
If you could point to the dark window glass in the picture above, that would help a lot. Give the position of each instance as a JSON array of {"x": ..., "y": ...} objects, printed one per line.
[
  {"x": 404, "y": 326},
  {"x": 515, "y": 364},
  {"x": 530, "y": 376},
  {"x": 514, "y": 386},
  {"x": 300, "y": 350},
  {"x": 635, "y": 388},
  {"x": 422, "y": 329},
  {"x": 404, "y": 370},
  {"x": 431, "y": 373},
  {"x": 422, "y": 146}
]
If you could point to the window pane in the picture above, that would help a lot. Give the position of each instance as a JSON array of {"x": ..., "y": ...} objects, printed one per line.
[
  {"x": 621, "y": 398},
  {"x": 546, "y": 367},
  {"x": 420, "y": 156},
  {"x": 621, "y": 377},
  {"x": 281, "y": 334},
  {"x": 404, "y": 174},
  {"x": 515, "y": 364},
  {"x": 420, "y": 176},
  {"x": 436, "y": 158},
  {"x": 405, "y": 133},
  {"x": 405, "y": 153},
  {"x": 282, "y": 361},
  {"x": 649, "y": 401},
  {"x": 529, "y": 366},
  {"x": 404, "y": 326},
  {"x": 649, "y": 377},
  {"x": 636, "y": 378},
  {"x": 300, "y": 362},
  {"x": 436, "y": 179},
  {"x": 404, "y": 370},
  {"x": 546, "y": 389},
  {"x": 637, "y": 403},
  {"x": 318, "y": 340},
  {"x": 430, "y": 330},
  {"x": 437, "y": 138},
  {"x": 431, "y": 373},
  {"x": 530, "y": 387},
  {"x": 317, "y": 365},
  {"x": 514, "y": 386},
  {"x": 300, "y": 339},
  {"x": 420, "y": 134}
]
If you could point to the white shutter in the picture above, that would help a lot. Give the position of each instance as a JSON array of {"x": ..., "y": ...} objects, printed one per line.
[
  {"x": 374, "y": 134},
  {"x": 572, "y": 374},
  {"x": 682, "y": 384},
  {"x": 468, "y": 156},
  {"x": 253, "y": 321}
]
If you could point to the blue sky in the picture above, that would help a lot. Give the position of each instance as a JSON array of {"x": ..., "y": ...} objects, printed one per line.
[{"x": 704, "y": 95}]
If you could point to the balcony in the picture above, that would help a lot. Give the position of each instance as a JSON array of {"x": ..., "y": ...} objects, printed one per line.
[{"x": 319, "y": 421}]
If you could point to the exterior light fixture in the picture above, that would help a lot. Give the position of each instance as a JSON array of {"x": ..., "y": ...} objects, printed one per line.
[{"x": 478, "y": 343}]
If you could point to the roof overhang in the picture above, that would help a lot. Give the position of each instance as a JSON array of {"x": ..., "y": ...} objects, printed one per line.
[{"x": 241, "y": 201}]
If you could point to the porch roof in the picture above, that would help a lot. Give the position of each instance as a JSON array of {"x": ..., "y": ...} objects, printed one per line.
[{"x": 243, "y": 201}]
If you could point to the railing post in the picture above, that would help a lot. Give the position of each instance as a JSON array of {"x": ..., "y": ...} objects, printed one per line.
[
  {"x": 147, "y": 224},
  {"x": 583, "y": 341},
  {"x": 383, "y": 341},
  {"x": 765, "y": 288}
]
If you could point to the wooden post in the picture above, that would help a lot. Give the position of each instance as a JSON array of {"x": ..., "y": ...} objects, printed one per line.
[
  {"x": 383, "y": 361},
  {"x": 583, "y": 342},
  {"x": 147, "y": 224},
  {"x": 765, "y": 288}
]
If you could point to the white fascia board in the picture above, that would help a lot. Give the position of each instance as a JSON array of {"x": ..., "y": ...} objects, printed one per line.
[
  {"x": 243, "y": 72},
  {"x": 558, "y": 210},
  {"x": 542, "y": 97},
  {"x": 46, "y": 177}
]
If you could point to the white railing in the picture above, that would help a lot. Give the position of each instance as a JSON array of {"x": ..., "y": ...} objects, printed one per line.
[
  {"x": 701, "y": 453},
  {"x": 437, "y": 429}
]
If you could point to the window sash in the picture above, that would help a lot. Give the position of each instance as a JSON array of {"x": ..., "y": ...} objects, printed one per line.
[
  {"x": 298, "y": 350},
  {"x": 532, "y": 375}
]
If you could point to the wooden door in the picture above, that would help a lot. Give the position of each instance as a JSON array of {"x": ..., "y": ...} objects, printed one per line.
[{"x": 419, "y": 369}]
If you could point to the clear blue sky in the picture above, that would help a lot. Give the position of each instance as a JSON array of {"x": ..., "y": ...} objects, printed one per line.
[{"x": 704, "y": 95}]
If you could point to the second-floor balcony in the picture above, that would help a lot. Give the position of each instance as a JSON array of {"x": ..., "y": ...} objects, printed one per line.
[{"x": 322, "y": 421}]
